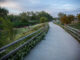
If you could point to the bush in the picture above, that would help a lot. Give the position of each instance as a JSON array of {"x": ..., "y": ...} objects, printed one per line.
[
  {"x": 78, "y": 16},
  {"x": 6, "y": 31},
  {"x": 20, "y": 24},
  {"x": 43, "y": 19}
]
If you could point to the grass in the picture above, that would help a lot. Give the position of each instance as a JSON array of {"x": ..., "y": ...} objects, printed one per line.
[
  {"x": 59, "y": 24},
  {"x": 76, "y": 25},
  {"x": 20, "y": 32},
  {"x": 23, "y": 32},
  {"x": 25, "y": 50}
]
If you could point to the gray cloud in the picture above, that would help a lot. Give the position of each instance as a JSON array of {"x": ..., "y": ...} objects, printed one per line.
[
  {"x": 2, "y": 0},
  {"x": 51, "y": 6}
]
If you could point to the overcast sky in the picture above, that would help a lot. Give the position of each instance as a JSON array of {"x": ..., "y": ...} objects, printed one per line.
[{"x": 51, "y": 6}]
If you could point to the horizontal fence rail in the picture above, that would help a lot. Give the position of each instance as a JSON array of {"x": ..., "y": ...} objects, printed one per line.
[
  {"x": 41, "y": 30},
  {"x": 74, "y": 32},
  {"x": 19, "y": 40},
  {"x": 78, "y": 31}
]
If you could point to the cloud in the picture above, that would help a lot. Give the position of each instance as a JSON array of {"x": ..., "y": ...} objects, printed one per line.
[
  {"x": 69, "y": 7},
  {"x": 2, "y": 0},
  {"x": 10, "y": 5},
  {"x": 51, "y": 6}
]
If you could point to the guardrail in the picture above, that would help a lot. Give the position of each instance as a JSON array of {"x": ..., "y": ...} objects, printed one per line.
[
  {"x": 5, "y": 57},
  {"x": 73, "y": 31},
  {"x": 78, "y": 31}
]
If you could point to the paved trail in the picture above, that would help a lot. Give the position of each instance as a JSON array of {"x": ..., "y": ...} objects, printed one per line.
[{"x": 58, "y": 45}]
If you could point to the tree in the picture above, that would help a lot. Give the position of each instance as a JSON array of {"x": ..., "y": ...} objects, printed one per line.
[
  {"x": 70, "y": 18},
  {"x": 78, "y": 16},
  {"x": 7, "y": 29},
  {"x": 24, "y": 17},
  {"x": 61, "y": 14},
  {"x": 64, "y": 19},
  {"x": 45, "y": 14},
  {"x": 14, "y": 18},
  {"x": 43, "y": 19},
  {"x": 3, "y": 12}
]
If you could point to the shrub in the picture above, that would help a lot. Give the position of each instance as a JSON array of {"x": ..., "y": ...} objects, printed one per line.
[
  {"x": 20, "y": 24},
  {"x": 43, "y": 19}
]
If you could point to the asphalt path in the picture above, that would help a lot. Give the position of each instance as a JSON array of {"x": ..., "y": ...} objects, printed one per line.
[{"x": 57, "y": 45}]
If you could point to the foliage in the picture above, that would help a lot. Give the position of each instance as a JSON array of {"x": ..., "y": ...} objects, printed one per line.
[
  {"x": 7, "y": 29},
  {"x": 9, "y": 24},
  {"x": 76, "y": 25},
  {"x": 29, "y": 18},
  {"x": 18, "y": 33},
  {"x": 30, "y": 46},
  {"x": 43, "y": 19},
  {"x": 70, "y": 18},
  {"x": 46, "y": 15},
  {"x": 19, "y": 55},
  {"x": 8, "y": 32},
  {"x": 63, "y": 18},
  {"x": 14, "y": 18},
  {"x": 78, "y": 16},
  {"x": 3, "y": 12},
  {"x": 20, "y": 24},
  {"x": 66, "y": 19},
  {"x": 61, "y": 14},
  {"x": 24, "y": 17},
  {"x": 34, "y": 16}
]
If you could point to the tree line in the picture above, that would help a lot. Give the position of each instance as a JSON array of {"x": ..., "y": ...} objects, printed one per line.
[
  {"x": 25, "y": 18},
  {"x": 67, "y": 19},
  {"x": 8, "y": 22}
]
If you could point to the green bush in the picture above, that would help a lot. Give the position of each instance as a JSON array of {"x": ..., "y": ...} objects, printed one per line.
[
  {"x": 20, "y": 24},
  {"x": 76, "y": 25},
  {"x": 43, "y": 19}
]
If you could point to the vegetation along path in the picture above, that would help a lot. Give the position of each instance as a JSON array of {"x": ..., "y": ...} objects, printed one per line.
[{"x": 57, "y": 45}]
